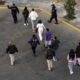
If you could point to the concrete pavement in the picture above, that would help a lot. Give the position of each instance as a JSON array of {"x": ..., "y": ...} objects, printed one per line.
[{"x": 28, "y": 67}]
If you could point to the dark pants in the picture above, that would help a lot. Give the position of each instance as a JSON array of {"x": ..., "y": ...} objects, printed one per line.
[
  {"x": 15, "y": 18},
  {"x": 34, "y": 51},
  {"x": 25, "y": 19},
  {"x": 53, "y": 17}
]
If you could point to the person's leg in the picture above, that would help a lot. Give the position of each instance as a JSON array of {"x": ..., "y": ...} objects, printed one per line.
[
  {"x": 51, "y": 64},
  {"x": 78, "y": 61},
  {"x": 48, "y": 63},
  {"x": 40, "y": 36},
  {"x": 34, "y": 51},
  {"x": 56, "y": 19},
  {"x": 51, "y": 18},
  {"x": 33, "y": 23},
  {"x": 70, "y": 66},
  {"x": 46, "y": 43},
  {"x": 11, "y": 58}
]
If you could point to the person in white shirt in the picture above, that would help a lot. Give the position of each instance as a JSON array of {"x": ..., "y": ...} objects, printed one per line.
[
  {"x": 33, "y": 16},
  {"x": 40, "y": 27}
]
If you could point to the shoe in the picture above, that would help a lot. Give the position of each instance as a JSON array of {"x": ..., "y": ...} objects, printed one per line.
[
  {"x": 24, "y": 24},
  {"x": 71, "y": 73},
  {"x": 56, "y": 23}
]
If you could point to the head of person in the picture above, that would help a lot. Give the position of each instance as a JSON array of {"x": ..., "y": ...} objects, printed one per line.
[
  {"x": 34, "y": 36},
  {"x": 10, "y": 42},
  {"x": 47, "y": 29},
  {"x": 79, "y": 43},
  {"x": 14, "y": 4},
  {"x": 33, "y": 9},
  {"x": 71, "y": 54},
  {"x": 53, "y": 5},
  {"x": 40, "y": 21},
  {"x": 25, "y": 8}
]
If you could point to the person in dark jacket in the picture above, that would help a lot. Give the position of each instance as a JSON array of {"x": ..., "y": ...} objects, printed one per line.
[
  {"x": 11, "y": 50},
  {"x": 49, "y": 58},
  {"x": 53, "y": 14},
  {"x": 25, "y": 14},
  {"x": 77, "y": 52},
  {"x": 14, "y": 11},
  {"x": 34, "y": 42}
]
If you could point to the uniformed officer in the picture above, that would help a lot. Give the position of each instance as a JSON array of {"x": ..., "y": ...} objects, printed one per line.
[
  {"x": 53, "y": 14},
  {"x": 14, "y": 11}
]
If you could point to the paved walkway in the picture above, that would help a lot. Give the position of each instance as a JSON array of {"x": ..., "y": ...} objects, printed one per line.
[{"x": 27, "y": 67}]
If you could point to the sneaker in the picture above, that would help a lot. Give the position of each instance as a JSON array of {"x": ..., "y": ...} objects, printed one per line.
[
  {"x": 24, "y": 24},
  {"x": 71, "y": 73}
]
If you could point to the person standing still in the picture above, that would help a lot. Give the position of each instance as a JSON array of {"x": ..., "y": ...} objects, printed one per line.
[
  {"x": 11, "y": 50},
  {"x": 49, "y": 58},
  {"x": 40, "y": 27},
  {"x": 33, "y": 16},
  {"x": 71, "y": 61},
  {"x": 25, "y": 14},
  {"x": 53, "y": 14},
  {"x": 34, "y": 42},
  {"x": 14, "y": 11}
]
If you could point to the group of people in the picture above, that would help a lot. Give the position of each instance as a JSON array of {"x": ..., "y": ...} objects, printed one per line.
[
  {"x": 73, "y": 58},
  {"x": 44, "y": 35}
]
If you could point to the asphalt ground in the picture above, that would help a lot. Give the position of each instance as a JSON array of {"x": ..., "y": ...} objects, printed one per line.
[{"x": 35, "y": 68}]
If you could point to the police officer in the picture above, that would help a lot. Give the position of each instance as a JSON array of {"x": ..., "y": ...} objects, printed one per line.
[
  {"x": 53, "y": 14},
  {"x": 14, "y": 11}
]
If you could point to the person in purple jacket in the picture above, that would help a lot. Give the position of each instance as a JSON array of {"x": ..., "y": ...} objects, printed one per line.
[{"x": 48, "y": 37}]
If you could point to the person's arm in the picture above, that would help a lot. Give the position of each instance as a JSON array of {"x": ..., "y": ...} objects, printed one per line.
[
  {"x": 8, "y": 7},
  {"x": 17, "y": 9},
  {"x": 15, "y": 48},
  {"x": 7, "y": 49}
]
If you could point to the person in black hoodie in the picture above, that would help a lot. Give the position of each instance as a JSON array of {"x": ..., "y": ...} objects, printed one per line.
[
  {"x": 34, "y": 42},
  {"x": 11, "y": 50},
  {"x": 14, "y": 11},
  {"x": 49, "y": 58},
  {"x": 53, "y": 14},
  {"x": 77, "y": 52},
  {"x": 25, "y": 14}
]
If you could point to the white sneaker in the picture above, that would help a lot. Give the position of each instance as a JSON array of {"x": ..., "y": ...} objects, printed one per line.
[
  {"x": 71, "y": 73},
  {"x": 24, "y": 24}
]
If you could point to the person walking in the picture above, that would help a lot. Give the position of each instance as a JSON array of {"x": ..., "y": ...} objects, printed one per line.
[
  {"x": 40, "y": 27},
  {"x": 14, "y": 11},
  {"x": 49, "y": 58},
  {"x": 11, "y": 50},
  {"x": 77, "y": 52},
  {"x": 34, "y": 42},
  {"x": 71, "y": 61},
  {"x": 47, "y": 37},
  {"x": 53, "y": 14},
  {"x": 33, "y": 16},
  {"x": 25, "y": 15}
]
